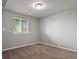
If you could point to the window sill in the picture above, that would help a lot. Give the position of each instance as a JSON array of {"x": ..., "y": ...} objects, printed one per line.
[{"x": 21, "y": 32}]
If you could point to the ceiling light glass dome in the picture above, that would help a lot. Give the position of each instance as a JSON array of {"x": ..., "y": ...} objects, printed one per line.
[{"x": 39, "y": 5}]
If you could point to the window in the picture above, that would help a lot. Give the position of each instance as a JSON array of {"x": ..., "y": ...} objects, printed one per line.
[{"x": 20, "y": 25}]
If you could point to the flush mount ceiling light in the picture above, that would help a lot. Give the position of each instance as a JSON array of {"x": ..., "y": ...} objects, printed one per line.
[{"x": 39, "y": 5}]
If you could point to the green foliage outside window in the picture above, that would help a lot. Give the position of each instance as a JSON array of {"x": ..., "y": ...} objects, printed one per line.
[{"x": 20, "y": 25}]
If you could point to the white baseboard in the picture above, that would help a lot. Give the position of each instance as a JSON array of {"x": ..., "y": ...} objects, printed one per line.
[
  {"x": 41, "y": 43},
  {"x": 19, "y": 46},
  {"x": 59, "y": 47}
]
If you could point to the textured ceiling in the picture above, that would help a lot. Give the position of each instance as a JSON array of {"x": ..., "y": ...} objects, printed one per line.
[{"x": 52, "y": 6}]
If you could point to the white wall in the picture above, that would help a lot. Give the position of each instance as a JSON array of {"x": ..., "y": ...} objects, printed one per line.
[
  {"x": 3, "y": 4},
  {"x": 11, "y": 39},
  {"x": 60, "y": 29}
]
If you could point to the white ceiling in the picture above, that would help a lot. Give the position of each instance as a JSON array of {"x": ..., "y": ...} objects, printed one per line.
[{"x": 52, "y": 6}]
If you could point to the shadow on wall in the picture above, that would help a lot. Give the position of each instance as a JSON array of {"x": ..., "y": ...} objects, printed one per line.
[{"x": 47, "y": 39}]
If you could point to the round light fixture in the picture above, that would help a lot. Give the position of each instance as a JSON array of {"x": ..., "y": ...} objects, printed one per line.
[{"x": 38, "y": 5}]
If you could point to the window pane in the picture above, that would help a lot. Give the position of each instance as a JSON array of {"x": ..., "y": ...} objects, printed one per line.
[
  {"x": 17, "y": 25},
  {"x": 24, "y": 26},
  {"x": 20, "y": 25}
]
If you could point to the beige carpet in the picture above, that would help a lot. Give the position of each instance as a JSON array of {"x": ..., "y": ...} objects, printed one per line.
[{"x": 39, "y": 51}]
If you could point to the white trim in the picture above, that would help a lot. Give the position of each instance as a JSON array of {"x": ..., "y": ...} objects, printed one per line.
[
  {"x": 19, "y": 46},
  {"x": 41, "y": 43},
  {"x": 59, "y": 47}
]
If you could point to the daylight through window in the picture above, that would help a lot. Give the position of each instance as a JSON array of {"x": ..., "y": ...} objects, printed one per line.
[{"x": 20, "y": 25}]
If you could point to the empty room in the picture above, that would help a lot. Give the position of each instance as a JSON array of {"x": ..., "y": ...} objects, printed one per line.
[{"x": 39, "y": 29}]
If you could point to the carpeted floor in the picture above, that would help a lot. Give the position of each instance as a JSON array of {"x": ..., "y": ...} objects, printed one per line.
[{"x": 39, "y": 51}]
